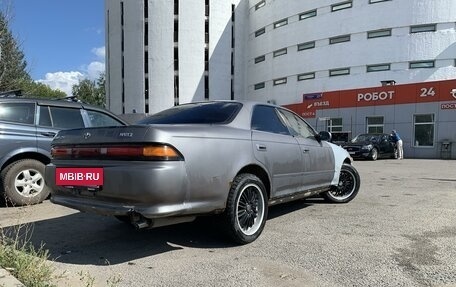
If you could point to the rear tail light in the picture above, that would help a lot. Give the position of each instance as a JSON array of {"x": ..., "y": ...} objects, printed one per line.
[{"x": 146, "y": 152}]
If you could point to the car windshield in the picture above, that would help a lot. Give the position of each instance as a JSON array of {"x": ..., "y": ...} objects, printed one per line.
[
  {"x": 366, "y": 138},
  {"x": 197, "y": 113}
]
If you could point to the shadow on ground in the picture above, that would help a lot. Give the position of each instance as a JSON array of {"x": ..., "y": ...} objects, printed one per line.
[{"x": 91, "y": 239}]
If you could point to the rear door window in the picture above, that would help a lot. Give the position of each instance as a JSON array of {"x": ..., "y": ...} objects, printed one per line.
[
  {"x": 66, "y": 118},
  {"x": 23, "y": 113}
]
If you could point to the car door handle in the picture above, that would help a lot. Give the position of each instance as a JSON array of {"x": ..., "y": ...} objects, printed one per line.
[
  {"x": 48, "y": 134},
  {"x": 305, "y": 150},
  {"x": 261, "y": 147}
]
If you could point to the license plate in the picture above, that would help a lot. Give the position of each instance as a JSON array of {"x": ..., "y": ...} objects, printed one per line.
[
  {"x": 351, "y": 152},
  {"x": 79, "y": 176}
]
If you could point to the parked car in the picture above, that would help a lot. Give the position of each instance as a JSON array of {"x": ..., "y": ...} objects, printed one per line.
[
  {"x": 27, "y": 127},
  {"x": 223, "y": 157},
  {"x": 371, "y": 146}
]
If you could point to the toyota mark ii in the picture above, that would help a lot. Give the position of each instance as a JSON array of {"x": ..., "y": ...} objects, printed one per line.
[{"x": 229, "y": 158}]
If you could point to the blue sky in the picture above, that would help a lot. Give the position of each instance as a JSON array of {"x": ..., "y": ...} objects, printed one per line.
[{"x": 63, "y": 41}]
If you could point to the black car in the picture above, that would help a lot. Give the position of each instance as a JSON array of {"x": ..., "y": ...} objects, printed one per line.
[
  {"x": 371, "y": 146},
  {"x": 27, "y": 127}
]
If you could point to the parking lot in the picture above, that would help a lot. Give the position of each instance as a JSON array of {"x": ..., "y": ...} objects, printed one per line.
[{"x": 399, "y": 231}]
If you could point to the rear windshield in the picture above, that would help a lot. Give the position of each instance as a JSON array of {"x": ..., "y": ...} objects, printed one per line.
[{"x": 199, "y": 113}]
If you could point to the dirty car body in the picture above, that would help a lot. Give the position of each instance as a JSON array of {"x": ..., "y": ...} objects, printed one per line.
[{"x": 229, "y": 158}]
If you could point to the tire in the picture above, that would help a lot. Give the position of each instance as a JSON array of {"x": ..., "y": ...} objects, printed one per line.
[
  {"x": 348, "y": 187},
  {"x": 23, "y": 183},
  {"x": 374, "y": 154},
  {"x": 246, "y": 210}
]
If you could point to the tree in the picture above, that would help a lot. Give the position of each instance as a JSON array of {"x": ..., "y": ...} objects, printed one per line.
[
  {"x": 13, "y": 66},
  {"x": 91, "y": 92},
  {"x": 40, "y": 90},
  {"x": 13, "y": 73}
]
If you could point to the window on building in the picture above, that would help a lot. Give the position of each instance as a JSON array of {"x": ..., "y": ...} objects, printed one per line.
[
  {"x": 423, "y": 130},
  {"x": 379, "y": 33},
  {"x": 259, "y": 86},
  {"x": 339, "y": 39},
  {"x": 374, "y": 124},
  {"x": 280, "y": 23},
  {"x": 260, "y": 4},
  {"x": 146, "y": 33},
  {"x": 308, "y": 14},
  {"x": 176, "y": 59},
  {"x": 334, "y": 124},
  {"x": 306, "y": 45},
  {"x": 260, "y": 32},
  {"x": 146, "y": 9},
  {"x": 339, "y": 72},
  {"x": 206, "y": 87},
  {"x": 377, "y": 1},
  {"x": 306, "y": 76},
  {"x": 423, "y": 28},
  {"x": 280, "y": 52},
  {"x": 176, "y": 30},
  {"x": 176, "y": 7},
  {"x": 260, "y": 59},
  {"x": 378, "y": 68},
  {"x": 341, "y": 6},
  {"x": 146, "y": 62},
  {"x": 280, "y": 81},
  {"x": 206, "y": 31},
  {"x": 422, "y": 64}
]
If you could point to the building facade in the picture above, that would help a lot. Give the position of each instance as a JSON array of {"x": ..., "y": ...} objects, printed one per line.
[
  {"x": 168, "y": 52},
  {"x": 162, "y": 53}
]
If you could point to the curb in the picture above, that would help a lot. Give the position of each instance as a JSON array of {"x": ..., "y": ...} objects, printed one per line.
[{"x": 8, "y": 280}]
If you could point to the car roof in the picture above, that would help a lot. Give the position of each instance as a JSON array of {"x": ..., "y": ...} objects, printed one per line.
[
  {"x": 62, "y": 102},
  {"x": 53, "y": 102}
]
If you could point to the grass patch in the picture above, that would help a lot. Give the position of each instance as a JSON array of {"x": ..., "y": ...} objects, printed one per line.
[{"x": 25, "y": 262}]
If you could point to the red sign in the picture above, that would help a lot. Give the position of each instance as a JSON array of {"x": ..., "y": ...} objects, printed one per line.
[
  {"x": 79, "y": 176},
  {"x": 426, "y": 92}
]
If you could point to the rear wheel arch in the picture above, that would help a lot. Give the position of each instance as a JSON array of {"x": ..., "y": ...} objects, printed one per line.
[{"x": 260, "y": 173}]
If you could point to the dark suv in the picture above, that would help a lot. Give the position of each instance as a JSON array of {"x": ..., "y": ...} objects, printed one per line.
[{"x": 27, "y": 127}]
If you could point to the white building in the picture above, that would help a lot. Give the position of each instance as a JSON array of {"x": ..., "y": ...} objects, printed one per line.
[{"x": 166, "y": 52}]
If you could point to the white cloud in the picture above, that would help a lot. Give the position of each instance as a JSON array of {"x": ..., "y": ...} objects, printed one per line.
[
  {"x": 99, "y": 52},
  {"x": 94, "y": 70},
  {"x": 63, "y": 81}
]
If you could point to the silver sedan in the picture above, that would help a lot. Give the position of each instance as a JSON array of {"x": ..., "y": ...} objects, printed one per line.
[{"x": 229, "y": 158}]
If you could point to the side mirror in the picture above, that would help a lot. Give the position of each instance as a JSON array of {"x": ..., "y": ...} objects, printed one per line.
[{"x": 324, "y": 136}]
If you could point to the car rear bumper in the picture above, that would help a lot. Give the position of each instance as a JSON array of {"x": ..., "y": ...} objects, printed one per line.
[{"x": 152, "y": 189}]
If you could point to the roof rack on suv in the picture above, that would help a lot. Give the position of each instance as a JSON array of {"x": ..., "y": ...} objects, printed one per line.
[
  {"x": 71, "y": 99},
  {"x": 11, "y": 94}
]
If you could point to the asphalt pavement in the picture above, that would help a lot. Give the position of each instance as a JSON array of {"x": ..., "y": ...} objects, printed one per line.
[{"x": 399, "y": 231}]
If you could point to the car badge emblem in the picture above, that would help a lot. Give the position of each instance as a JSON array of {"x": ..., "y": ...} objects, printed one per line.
[{"x": 87, "y": 135}]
